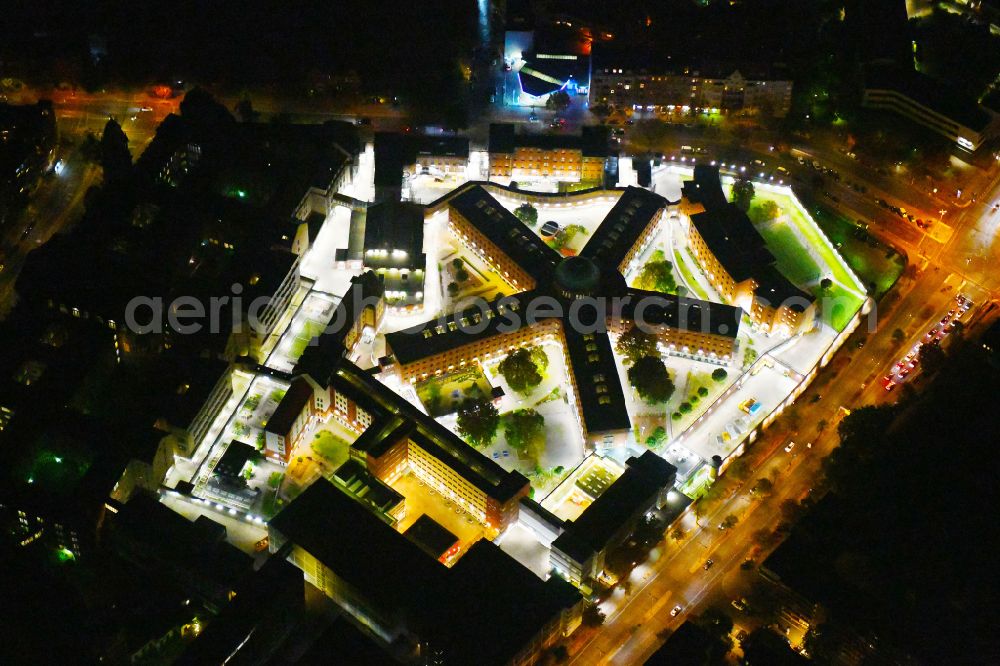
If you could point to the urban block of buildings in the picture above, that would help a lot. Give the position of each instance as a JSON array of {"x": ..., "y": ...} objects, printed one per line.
[
  {"x": 545, "y": 157},
  {"x": 707, "y": 88},
  {"x": 687, "y": 327}
]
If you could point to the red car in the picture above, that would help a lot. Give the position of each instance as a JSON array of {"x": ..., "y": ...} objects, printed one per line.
[{"x": 888, "y": 384}]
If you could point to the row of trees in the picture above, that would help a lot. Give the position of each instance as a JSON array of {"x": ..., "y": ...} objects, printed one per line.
[
  {"x": 524, "y": 429},
  {"x": 648, "y": 374}
]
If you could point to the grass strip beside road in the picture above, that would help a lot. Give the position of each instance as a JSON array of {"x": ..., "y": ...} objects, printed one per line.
[{"x": 688, "y": 276}]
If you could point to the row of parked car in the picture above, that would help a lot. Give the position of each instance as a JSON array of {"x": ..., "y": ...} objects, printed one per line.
[{"x": 901, "y": 370}]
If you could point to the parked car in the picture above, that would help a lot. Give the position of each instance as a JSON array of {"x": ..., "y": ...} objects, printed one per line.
[{"x": 675, "y": 610}]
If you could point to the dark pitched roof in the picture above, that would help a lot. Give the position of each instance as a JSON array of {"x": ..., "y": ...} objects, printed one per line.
[
  {"x": 261, "y": 603},
  {"x": 505, "y": 231},
  {"x": 730, "y": 236},
  {"x": 644, "y": 477},
  {"x": 187, "y": 384},
  {"x": 688, "y": 314},
  {"x": 622, "y": 226},
  {"x": 344, "y": 643},
  {"x": 363, "y": 485},
  {"x": 394, "y": 152},
  {"x": 456, "y": 611},
  {"x": 739, "y": 247},
  {"x": 296, "y": 398},
  {"x": 436, "y": 439},
  {"x": 599, "y": 389},
  {"x": 481, "y": 321},
  {"x": 705, "y": 188},
  {"x": 236, "y": 456},
  {"x": 592, "y": 141}
]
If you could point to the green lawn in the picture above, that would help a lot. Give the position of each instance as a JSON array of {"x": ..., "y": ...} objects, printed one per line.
[
  {"x": 685, "y": 271},
  {"x": 837, "y": 305},
  {"x": 874, "y": 262},
  {"x": 812, "y": 235},
  {"x": 793, "y": 261},
  {"x": 331, "y": 447}
]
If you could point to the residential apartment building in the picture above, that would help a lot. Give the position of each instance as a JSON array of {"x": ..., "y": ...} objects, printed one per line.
[
  {"x": 501, "y": 240},
  {"x": 728, "y": 91},
  {"x": 737, "y": 262},
  {"x": 544, "y": 157}
]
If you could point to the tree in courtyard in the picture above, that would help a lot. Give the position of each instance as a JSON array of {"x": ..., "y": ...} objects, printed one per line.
[
  {"x": 657, "y": 276},
  {"x": 685, "y": 408},
  {"x": 527, "y": 214},
  {"x": 540, "y": 358},
  {"x": 764, "y": 212},
  {"x": 743, "y": 193},
  {"x": 457, "y": 263},
  {"x": 557, "y": 101},
  {"x": 702, "y": 391},
  {"x": 676, "y": 416},
  {"x": 826, "y": 284},
  {"x": 932, "y": 357},
  {"x": 453, "y": 289},
  {"x": 649, "y": 377},
  {"x": 602, "y": 111},
  {"x": 478, "y": 421},
  {"x": 461, "y": 275},
  {"x": 520, "y": 371},
  {"x": 635, "y": 344},
  {"x": 115, "y": 158},
  {"x": 719, "y": 375},
  {"x": 523, "y": 429}
]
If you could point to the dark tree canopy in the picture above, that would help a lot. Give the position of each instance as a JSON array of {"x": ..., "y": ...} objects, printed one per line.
[
  {"x": 523, "y": 428},
  {"x": 558, "y": 100},
  {"x": 649, "y": 377},
  {"x": 743, "y": 193},
  {"x": 520, "y": 370},
  {"x": 635, "y": 343},
  {"x": 478, "y": 421},
  {"x": 115, "y": 157},
  {"x": 527, "y": 214}
]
